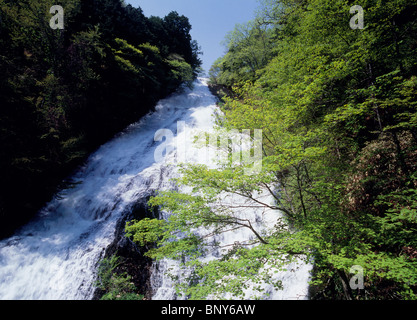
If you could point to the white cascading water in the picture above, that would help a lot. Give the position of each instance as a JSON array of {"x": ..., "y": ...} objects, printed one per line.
[{"x": 55, "y": 256}]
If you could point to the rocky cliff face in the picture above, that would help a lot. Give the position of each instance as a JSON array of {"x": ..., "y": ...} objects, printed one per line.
[{"x": 132, "y": 257}]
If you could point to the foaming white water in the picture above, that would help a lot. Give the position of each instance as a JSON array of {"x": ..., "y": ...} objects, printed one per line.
[{"x": 55, "y": 256}]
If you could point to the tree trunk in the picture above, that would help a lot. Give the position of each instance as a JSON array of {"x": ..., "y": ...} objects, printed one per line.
[
  {"x": 300, "y": 192},
  {"x": 400, "y": 155},
  {"x": 346, "y": 286}
]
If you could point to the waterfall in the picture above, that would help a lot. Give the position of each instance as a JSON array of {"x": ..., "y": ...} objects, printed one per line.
[{"x": 55, "y": 256}]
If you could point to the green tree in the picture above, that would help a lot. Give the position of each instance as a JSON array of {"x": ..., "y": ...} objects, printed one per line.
[{"x": 116, "y": 286}]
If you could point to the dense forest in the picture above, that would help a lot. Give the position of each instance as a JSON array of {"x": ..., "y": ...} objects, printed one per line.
[
  {"x": 64, "y": 91},
  {"x": 338, "y": 110}
]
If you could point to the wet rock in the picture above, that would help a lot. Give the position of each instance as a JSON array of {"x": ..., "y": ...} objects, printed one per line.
[{"x": 132, "y": 257}]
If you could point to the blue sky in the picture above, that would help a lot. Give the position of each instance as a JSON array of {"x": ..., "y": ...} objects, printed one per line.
[{"x": 211, "y": 19}]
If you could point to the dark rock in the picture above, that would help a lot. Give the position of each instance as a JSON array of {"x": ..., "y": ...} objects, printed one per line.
[
  {"x": 220, "y": 91},
  {"x": 132, "y": 257}
]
